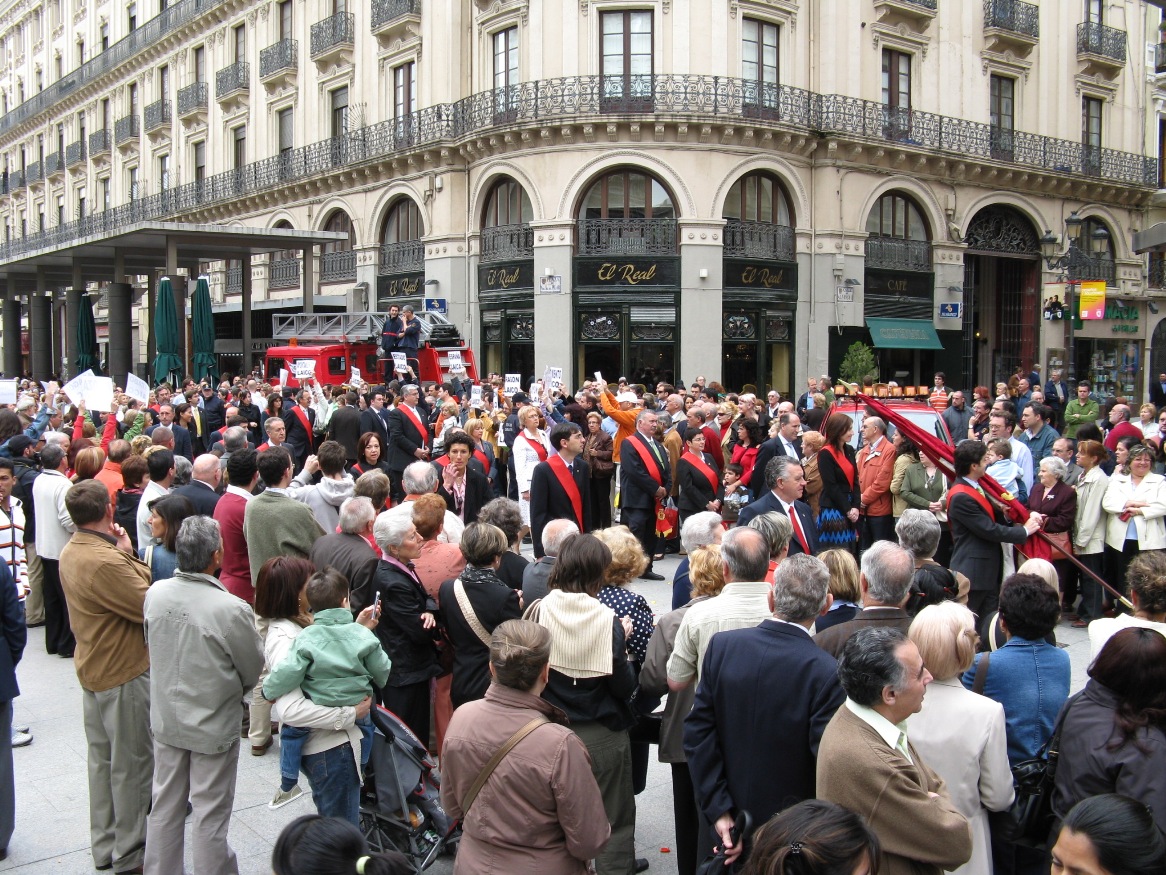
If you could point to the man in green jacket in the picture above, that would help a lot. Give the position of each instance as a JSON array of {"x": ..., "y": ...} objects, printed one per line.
[
  {"x": 1080, "y": 410},
  {"x": 275, "y": 524}
]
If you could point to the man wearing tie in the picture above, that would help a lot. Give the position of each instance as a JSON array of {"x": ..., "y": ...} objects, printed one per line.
[
  {"x": 785, "y": 442},
  {"x": 559, "y": 486},
  {"x": 1057, "y": 395},
  {"x": 645, "y": 479},
  {"x": 786, "y": 481},
  {"x": 408, "y": 439}
]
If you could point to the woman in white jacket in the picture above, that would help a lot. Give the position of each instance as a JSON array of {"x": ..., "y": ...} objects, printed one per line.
[
  {"x": 1089, "y": 531},
  {"x": 960, "y": 733},
  {"x": 1136, "y": 503},
  {"x": 531, "y": 446}
]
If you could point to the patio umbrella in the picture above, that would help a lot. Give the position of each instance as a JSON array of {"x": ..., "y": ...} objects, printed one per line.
[
  {"x": 168, "y": 364},
  {"x": 86, "y": 337},
  {"x": 205, "y": 366}
]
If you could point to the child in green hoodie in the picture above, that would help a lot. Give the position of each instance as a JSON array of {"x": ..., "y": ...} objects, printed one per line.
[{"x": 335, "y": 662}]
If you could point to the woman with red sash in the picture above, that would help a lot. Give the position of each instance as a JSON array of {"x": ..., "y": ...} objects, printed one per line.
[
  {"x": 839, "y": 501},
  {"x": 370, "y": 455},
  {"x": 531, "y": 446},
  {"x": 701, "y": 488}
]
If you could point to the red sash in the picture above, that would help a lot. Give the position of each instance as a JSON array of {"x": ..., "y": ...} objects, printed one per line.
[
  {"x": 843, "y": 463},
  {"x": 964, "y": 489},
  {"x": 263, "y": 446},
  {"x": 537, "y": 446},
  {"x": 441, "y": 460},
  {"x": 649, "y": 459},
  {"x": 559, "y": 467},
  {"x": 303, "y": 418},
  {"x": 700, "y": 465},
  {"x": 412, "y": 416},
  {"x": 481, "y": 457}
]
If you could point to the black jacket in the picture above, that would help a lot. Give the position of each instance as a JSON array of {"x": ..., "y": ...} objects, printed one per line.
[
  {"x": 125, "y": 513},
  {"x": 410, "y": 646},
  {"x": 404, "y": 439},
  {"x": 837, "y": 492},
  {"x": 25, "y": 471},
  {"x": 477, "y": 493},
  {"x": 494, "y": 603},
  {"x": 637, "y": 487},
  {"x": 549, "y": 500},
  {"x": 695, "y": 490},
  {"x": 252, "y": 413},
  {"x": 344, "y": 428},
  {"x": 605, "y": 700},
  {"x": 15, "y": 635}
]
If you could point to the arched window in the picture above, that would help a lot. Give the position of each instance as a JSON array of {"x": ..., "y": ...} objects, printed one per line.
[
  {"x": 338, "y": 263},
  {"x": 897, "y": 215},
  {"x": 340, "y": 222},
  {"x": 284, "y": 269},
  {"x": 758, "y": 197},
  {"x": 629, "y": 212},
  {"x": 1096, "y": 241},
  {"x": 507, "y": 204},
  {"x": 403, "y": 223}
]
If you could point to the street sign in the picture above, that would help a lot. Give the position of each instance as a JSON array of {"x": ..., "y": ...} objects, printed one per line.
[
  {"x": 951, "y": 310},
  {"x": 844, "y": 294},
  {"x": 435, "y": 305}
]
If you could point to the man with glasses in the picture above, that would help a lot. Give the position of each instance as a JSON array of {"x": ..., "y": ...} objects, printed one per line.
[
  {"x": 409, "y": 439},
  {"x": 1063, "y": 450}
]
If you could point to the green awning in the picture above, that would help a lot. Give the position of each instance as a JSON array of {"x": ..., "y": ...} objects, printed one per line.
[{"x": 903, "y": 334}]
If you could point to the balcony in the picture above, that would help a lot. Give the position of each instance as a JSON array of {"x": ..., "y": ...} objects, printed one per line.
[
  {"x": 914, "y": 15},
  {"x": 15, "y": 181},
  {"x": 75, "y": 153},
  {"x": 1102, "y": 49},
  {"x": 1011, "y": 24},
  {"x": 507, "y": 243},
  {"x": 34, "y": 174},
  {"x": 392, "y": 18},
  {"x": 893, "y": 253},
  {"x": 626, "y": 236},
  {"x": 278, "y": 63},
  {"x": 1160, "y": 58},
  {"x": 333, "y": 39},
  {"x": 759, "y": 240},
  {"x": 406, "y": 257},
  {"x": 100, "y": 142},
  {"x": 284, "y": 273},
  {"x": 126, "y": 131},
  {"x": 339, "y": 266},
  {"x": 233, "y": 83},
  {"x": 193, "y": 100},
  {"x": 1156, "y": 273},
  {"x": 53, "y": 164},
  {"x": 157, "y": 116}
]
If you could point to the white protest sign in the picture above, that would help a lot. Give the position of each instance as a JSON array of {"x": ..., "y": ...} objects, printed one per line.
[
  {"x": 137, "y": 388},
  {"x": 513, "y": 384},
  {"x": 455, "y": 362},
  {"x": 400, "y": 363},
  {"x": 8, "y": 391},
  {"x": 475, "y": 396},
  {"x": 355, "y": 378},
  {"x": 75, "y": 388},
  {"x": 283, "y": 375},
  {"x": 99, "y": 393},
  {"x": 51, "y": 388},
  {"x": 305, "y": 369},
  {"x": 554, "y": 378}
]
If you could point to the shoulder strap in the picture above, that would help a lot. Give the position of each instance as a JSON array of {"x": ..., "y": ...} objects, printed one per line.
[
  {"x": 981, "y": 676},
  {"x": 463, "y": 602},
  {"x": 499, "y": 755},
  {"x": 532, "y": 611},
  {"x": 149, "y": 557}
]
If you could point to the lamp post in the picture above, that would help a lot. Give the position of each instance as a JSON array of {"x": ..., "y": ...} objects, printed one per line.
[{"x": 1074, "y": 266}]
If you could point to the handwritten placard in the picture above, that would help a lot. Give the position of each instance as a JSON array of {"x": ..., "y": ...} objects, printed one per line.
[
  {"x": 137, "y": 388},
  {"x": 512, "y": 384},
  {"x": 456, "y": 366},
  {"x": 400, "y": 363}
]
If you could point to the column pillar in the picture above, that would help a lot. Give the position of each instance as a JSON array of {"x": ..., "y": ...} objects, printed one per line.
[
  {"x": 72, "y": 306},
  {"x": 151, "y": 308},
  {"x": 308, "y": 282},
  {"x": 40, "y": 340},
  {"x": 554, "y": 248},
  {"x": 245, "y": 298},
  {"x": 120, "y": 358},
  {"x": 698, "y": 348},
  {"x": 12, "y": 357}
]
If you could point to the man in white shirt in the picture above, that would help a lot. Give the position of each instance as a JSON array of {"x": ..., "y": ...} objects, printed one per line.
[
  {"x": 54, "y": 527},
  {"x": 161, "y": 464}
]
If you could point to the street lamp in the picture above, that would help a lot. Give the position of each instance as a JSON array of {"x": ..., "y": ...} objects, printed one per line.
[{"x": 1075, "y": 265}]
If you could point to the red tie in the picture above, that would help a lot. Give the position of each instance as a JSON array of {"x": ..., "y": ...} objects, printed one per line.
[{"x": 797, "y": 524}]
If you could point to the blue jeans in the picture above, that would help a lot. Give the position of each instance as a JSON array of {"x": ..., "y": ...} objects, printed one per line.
[
  {"x": 334, "y": 782},
  {"x": 291, "y": 747}
]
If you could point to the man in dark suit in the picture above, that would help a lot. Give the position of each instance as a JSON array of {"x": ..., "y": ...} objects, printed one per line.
[
  {"x": 1157, "y": 391},
  {"x": 182, "y": 445},
  {"x": 885, "y": 583},
  {"x": 787, "y": 482},
  {"x": 348, "y": 550},
  {"x": 645, "y": 479},
  {"x": 559, "y": 487},
  {"x": 537, "y": 573},
  {"x": 770, "y": 676},
  {"x": 300, "y": 420},
  {"x": 200, "y": 433},
  {"x": 374, "y": 418},
  {"x": 785, "y": 442},
  {"x": 344, "y": 425},
  {"x": 408, "y": 438},
  {"x": 203, "y": 488},
  {"x": 978, "y": 529}
]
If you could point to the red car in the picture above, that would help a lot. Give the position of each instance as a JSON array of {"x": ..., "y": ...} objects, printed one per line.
[{"x": 922, "y": 414}]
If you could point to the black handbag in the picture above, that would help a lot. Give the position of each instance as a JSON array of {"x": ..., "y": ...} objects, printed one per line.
[
  {"x": 715, "y": 864},
  {"x": 1030, "y": 819}
]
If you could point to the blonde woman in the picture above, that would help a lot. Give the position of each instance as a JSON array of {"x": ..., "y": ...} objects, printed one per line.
[
  {"x": 812, "y": 442},
  {"x": 531, "y": 446},
  {"x": 843, "y": 586}
]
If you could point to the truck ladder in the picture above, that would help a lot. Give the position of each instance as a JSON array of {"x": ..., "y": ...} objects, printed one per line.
[{"x": 311, "y": 327}]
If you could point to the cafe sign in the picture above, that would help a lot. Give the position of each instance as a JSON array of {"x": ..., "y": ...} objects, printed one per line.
[
  {"x": 504, "y": 277},
  {"x": 626, "y": 272},
  {"x": 909, "y": 285},
  {"x": 761, "y": 276},
  {"x": 402, "y": 285}
]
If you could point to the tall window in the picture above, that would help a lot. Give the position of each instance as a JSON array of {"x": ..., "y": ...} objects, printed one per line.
[
  {"x": 163, "y": 172},
  {"x": 508, "y": 204},
  {"x": 506, "y": 70},
  {"x": 105, "y": 193},
  {"x": 1161, "y": 153},
  {"x": 339, "y": 222},
  {"x": 404, "y": 90},
  {"x": 80, "y": 52},
  {"x": 627, "y": 194},
  {"x": 200, "y": 64},
  {"x": 61, "y": 139},
  {"x": 758, "y": 197},
  {"x": 403, "y": 223},
  {"x": 1091, "y": 134},
  {"x": 105, "y": 114},
  {"x": 60, "y": 210},
  {"x": 239, "y": 41},
  {"x": 1095, "y": 11},
  {"x": 163, "y": 81},
  {"x": 339, "y": 6},
  {"x": 339, "y": 100},
  {"x": 1001, "y": 113},
  {"x": 239, "y": 137},
  {"x": 896, "y": 94},
  {"x": 133, "y": 183},
  {"x": 759, "y": 63},
  {"x": 896, "y": 215},
  {"x": 132, "y": 17},
  {"x": 81, "y": 210},
  {"x": 626, "y": 59},
  {"x": 133, "y": 95},
  {"x": 285, "y": 19},
  {"x": 286, "y": 131},
  {"x": 199, "y": 161},
  {"x": 104, "y": 36}
]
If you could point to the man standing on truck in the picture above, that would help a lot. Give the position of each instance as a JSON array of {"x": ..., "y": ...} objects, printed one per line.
[
  {"x": 409, "y": 340},
  {"x": 391, "y": 331}
]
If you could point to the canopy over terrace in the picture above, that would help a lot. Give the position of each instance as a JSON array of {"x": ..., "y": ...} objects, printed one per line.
[{"x": 33, "y": 269}]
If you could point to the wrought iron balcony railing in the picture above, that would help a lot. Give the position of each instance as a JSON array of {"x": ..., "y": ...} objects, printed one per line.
[
  {"x": 125, "y": 129},
  {"x": 53, "y": 163},
  {"x": 577, "y": 99},
  {"x": 926, "y": 4},
  {"x": 157, "y": 115},
  {"x": 193, "y": 97},
  {"x": 284, "y": 55},
  {"x": 626, "y": 236},
  {"x": 234, "y": 280},
  {"x": 236, "y": 77},
  {"x": 892, "y": 253},
  {"x": 338, "y": 266},
  {"x": 15, "y": 181},
  {"x": 759, "y": 240},
  {"x": 1083, "y": 266},
  {"x": 1100, "y": 39},
  {"x": 401, "y": 257},
  {"x": 284, "y": 273},
  {"x": 99, "y": 142},
  {"x": 384, "y": 11},
  {"x": 1160, "y": 58},
  {"x": 335, "y": 30},
  {"x": 1014, "y": 15},
  {"x": 33, "y": 174},
  {"x": 75, "y": 153},
  {"x": 507, "y": 243},
  {"x": 1156, "y": 276}
]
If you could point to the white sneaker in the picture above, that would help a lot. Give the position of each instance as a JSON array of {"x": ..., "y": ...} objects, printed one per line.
[
  {"x": 20, "y": 728},
  {"x": 283, "y": 797},
  {"x": 21, "y": 739}
]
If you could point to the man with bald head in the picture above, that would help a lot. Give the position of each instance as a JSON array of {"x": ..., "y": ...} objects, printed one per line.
[
  {"x": 162, "y": 436},
  {"x": 203, "y": 488}
]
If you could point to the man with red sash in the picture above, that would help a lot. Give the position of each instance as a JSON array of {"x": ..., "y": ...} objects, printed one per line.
[
  {"x": 645, "y": 479},
  {"x": 276, "y": 432},
  {"x": 408, "y": 438},
  {"x": 300, "y": 420},
  {"x": 978, "y": 529},
  {"x": 559, "y": 486},
  {"x": 787, "y": 482}
]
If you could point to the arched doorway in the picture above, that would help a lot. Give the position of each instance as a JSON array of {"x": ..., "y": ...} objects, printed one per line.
[
  {"x": 1002, "y": 299},
  {"x": 506, "y": 279}
]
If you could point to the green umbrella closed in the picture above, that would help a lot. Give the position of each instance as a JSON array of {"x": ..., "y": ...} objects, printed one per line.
[
  {"x": 86, "y": 337},
  {"x": 168, "y": 364},
  {"x": 205, "y": 365}
]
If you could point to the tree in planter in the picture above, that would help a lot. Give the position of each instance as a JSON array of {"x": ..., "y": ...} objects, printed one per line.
[{"x": 858, "y": 363}]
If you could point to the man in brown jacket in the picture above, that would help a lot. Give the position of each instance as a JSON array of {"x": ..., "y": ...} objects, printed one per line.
[
  {"x": 867, "y": 764},
  {"x": 540, "y": 810},
  {"x": 105, "y": 586}
]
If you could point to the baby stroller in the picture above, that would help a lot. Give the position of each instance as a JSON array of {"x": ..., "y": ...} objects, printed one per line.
[{"x": 400, "y": 808}]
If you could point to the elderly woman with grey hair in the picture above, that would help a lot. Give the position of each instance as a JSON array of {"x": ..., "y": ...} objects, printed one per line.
[
  {"x": 918, "y": 532},
  {"x": 777, "y": 530},
  {"x": 699, "y": 530},
  {"x": 407, "y": 625},
  {"x": 506, "y": 515},
  {"x": 1057, "y": 502}
]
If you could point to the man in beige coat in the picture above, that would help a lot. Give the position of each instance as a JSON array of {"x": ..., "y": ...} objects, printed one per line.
[{"x": 867, "y": 764}]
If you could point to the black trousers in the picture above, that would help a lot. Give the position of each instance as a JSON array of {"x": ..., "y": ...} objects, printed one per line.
[
  {"x": 58, "y": 633},
  {"x": 687, "y": 817},
  {"x": 642, "y": 522},
  {"x": 983, "y": 602},
  {"x": 877, "y": 528},
  {"x": 601, "y": 502},
  {"x": 396, "y": 490},
  {"x": 411, "y": 704}
]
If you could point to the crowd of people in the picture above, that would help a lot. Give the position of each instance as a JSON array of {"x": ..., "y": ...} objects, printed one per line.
[{"x": 859, "y": 653}]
